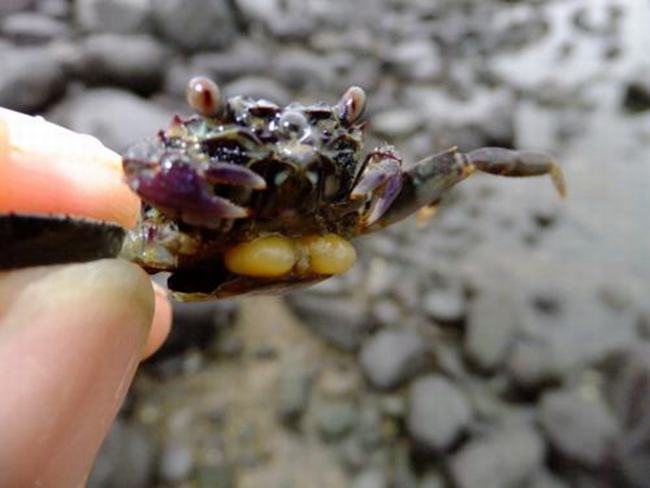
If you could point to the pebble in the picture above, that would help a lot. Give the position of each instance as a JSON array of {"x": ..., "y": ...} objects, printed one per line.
[
  {"x": 445, "y": 306},
  {"x": 392, "y": 357},
  {"x": 32, "y": 28},
  {"x": 30, "y": 79},
  {"x": 338, "y": 320},
  {"x": 293, "y": 393},
  {"x": 244, "y": 58},
  {"x": 115, "y": 117},
  {"x": 122, "y": 16},
  {"x": 396, "y": 123},
  {"x": 196, "y": 25},
  {"x": 438, "y": 412},
  {"x": 126, "y": 459},
  {"x": 370, "y": 478},
  {"x": 10, "y": 6},
  {"x": 491, "y": 326},
  {"x": 299, "y": 69},
  {"x": 176, "y": 463},
  {"x": 335, "y": 419},
  {"x": 416, "y": 60},
  {"x": 132, "y": 61},
  {"x": 581, "y": 429},
  {"x": 504, "y": 459}
]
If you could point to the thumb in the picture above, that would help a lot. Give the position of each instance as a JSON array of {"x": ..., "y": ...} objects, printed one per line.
[{"x": 71, "y": 338}]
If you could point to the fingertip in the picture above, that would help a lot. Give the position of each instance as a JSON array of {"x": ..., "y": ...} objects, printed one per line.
[{"x": 162, "y": 322}]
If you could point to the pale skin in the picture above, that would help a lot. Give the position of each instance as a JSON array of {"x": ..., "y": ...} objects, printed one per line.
[{"x": 71, "y": 337}]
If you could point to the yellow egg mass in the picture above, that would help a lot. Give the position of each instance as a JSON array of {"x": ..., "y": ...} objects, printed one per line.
[
  {"x": 266, "y": 257},
  {"x": 329, "y": 254}
]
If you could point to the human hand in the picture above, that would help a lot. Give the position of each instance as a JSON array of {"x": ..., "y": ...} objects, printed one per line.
[{"x": 71, "y": 337}]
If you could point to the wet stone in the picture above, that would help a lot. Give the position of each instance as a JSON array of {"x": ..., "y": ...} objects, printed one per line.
[
  {"x": 126, "y": 458},
  {"x": 335, "y": 419},
  {"x": 505, "y": 459},
  {"x": 133, "y": 61},
  {"x": 122, "y": 16},
  {"x": 101, "y": 112},
  {"x": 172, "y": 17},
  {"x": 392, "y": 357},
  {"x": 491, "y": 325},
  {"x": 579, "y": 428},
  {"x": 438, "y": 412},
  {"x": 32, "y": 28},
  {"x": 30, "y": 79}
]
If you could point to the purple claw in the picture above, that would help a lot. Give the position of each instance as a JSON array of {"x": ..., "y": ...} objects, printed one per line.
[
  {"x": 382, "y": 183},
  {"x": 179, "y": 188},
  {"x": 385, "y": 199},
  {"x": 232, "y": 174}
]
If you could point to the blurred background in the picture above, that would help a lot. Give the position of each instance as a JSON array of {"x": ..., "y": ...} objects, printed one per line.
[{"x": 504, "y": 345}]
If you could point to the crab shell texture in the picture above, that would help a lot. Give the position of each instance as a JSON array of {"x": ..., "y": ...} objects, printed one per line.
[{"x": 242, "y": 171}]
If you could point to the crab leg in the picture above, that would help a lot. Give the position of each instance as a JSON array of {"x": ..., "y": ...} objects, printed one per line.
[{"x": 424, "y": 182}]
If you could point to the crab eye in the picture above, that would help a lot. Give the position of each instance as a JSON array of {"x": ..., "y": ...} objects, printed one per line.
[
  {"x": 204, "y": 96},
  {"x": 352, "y": 104},
  {"x": 292, "y": 122}
]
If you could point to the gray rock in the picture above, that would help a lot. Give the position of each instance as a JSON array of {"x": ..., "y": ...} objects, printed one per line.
[
  {"x": 196, "y": 25},
  {"x": 32, "y": 28},
  {"x": 10, "y": 6},
  {"x": 416, "y": 60},
  {"x": 57, "y": 9},
  {"x": 579, "y": 428},
  {"x": 339, "y": 320},
  {"x": 123, "y": 16},
  {"x": 244, "y": 58},
  {"x": 391, "y": 357},
  {"x": 505, "y": 459},
  {"x": 176, "y": 463},
  {"x": 115, "y": 117},
  {"x": 125, "y": 460},
  {"x": 438, "y": 412},
  {"x": 446, "y": 306},
  {"x": 30, "y": 79},
  {"x": 491, "y": 325},
  {"x": 258, "y": 87},
  {"x": 546, "y": 479},
  {"x": 370, "y": 478},
  {"x": 277, "y": 18},
  {"x": 299, "y": 69},
  {"x": 432, "y": 479},
  {"x": 293, "y": 392},
  {"x": 335, "y": 419},
  {"x": 134, "y": 61},
  {"x": 396, "y": 123}
]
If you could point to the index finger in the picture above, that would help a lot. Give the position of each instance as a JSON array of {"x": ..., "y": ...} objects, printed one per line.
[{"x": 45, "y": 168}]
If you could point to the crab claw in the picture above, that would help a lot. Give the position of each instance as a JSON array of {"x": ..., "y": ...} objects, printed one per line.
[
  {"x": 380, "y": 182},
  {"x": 506, "y": 162},
  {"x": 175, "y": 187},
  {"x": 232, "y": 174}
]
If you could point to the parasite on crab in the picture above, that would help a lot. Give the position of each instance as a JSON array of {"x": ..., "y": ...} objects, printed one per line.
[{"x": 250, "y": 197}]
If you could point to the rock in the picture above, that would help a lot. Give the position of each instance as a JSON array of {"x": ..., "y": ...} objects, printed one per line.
[
  {"x": 636, "y": 97},
  {"x": 438, "y": 412},
  {"x": 134, "y": 61},
  {"x": 196, "y": 25},
  {"x": 176, "y": 463},
  {"x": 258, "y": 87},
  {"x": 396, "y": 123},
  {"x": 293, "y": 392},
  {"x": 415, "y": 60},
  {"x": 370, "y": 478},
  {"x": 545, "y": 479},
  {"x": 30, "y": 79},
  {"x": 491, "y": 325},
  {"x": 115, "y": 117},
  {"x": 335, "y": 419},
  {"x": 277, "y": 18},
  {"x": 506, "y": 459},
  {"x": 32, "y": 28},
  {"x": 432, "y": 479},
  {"x": 125, "y": 460},
  {"x": 445, "y": 306},
  {"x": 57, "y": 9},
  {"x": 339, "y": 320},
  {"x": 244, "y": 58},
  {"x": 10, "y": 6},
  {"x": 391, "y": 357},
  {"x": 122, "y": 16},
  {"x": 299, "y": 69},
  {"x": 581, "y": 429}
]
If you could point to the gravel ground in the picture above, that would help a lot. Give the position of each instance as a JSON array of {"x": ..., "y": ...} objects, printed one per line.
[{"x": 506, "y": 344}]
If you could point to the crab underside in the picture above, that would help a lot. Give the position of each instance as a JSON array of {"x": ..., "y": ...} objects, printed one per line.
[{"x": 250, "y": 197}]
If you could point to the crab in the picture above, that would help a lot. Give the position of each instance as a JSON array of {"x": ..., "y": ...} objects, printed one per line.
[{"x": 246, "y": 196}]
